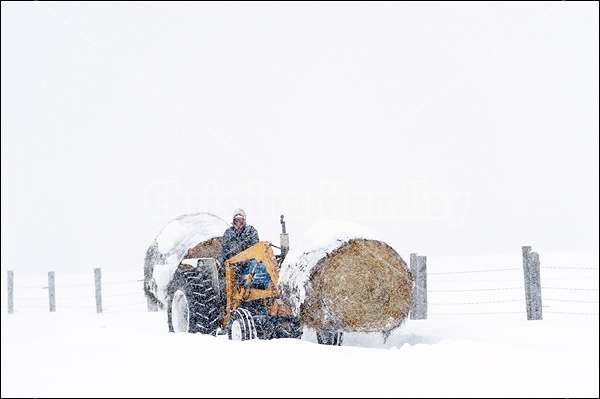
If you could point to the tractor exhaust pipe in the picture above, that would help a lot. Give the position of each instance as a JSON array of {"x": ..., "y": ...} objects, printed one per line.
[{"x": 284, "y": 240}]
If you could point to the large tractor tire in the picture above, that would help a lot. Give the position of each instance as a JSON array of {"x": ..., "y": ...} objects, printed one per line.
[
  {"x": 241, "y": 326},
  {"x": 193, "y": 303}
]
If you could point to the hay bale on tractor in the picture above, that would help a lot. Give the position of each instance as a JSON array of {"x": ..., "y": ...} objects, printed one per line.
[
  {"x": 210, "y": 248},
  {"x": 200, "y": 231},
  {"x": 349, "y": 284}
]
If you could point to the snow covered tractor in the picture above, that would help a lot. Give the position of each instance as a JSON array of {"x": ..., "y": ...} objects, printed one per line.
[
  {"x": 207, "y": 297},
  {"x": 338, "y": 278}
]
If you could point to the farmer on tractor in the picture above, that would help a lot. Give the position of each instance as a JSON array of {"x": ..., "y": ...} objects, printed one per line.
[{"x": 237, "y": 238}]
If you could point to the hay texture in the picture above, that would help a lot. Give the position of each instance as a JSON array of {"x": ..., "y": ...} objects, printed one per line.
[
  {"x": 363, "y": 285},
  {"x": 207, "y": 249}
]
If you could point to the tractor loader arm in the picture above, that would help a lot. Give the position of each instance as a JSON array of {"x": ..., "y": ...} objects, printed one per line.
[{"x": 236, "y": 294}]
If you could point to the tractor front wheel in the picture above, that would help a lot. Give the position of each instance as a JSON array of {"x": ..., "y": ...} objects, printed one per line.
[{"x": 241, "y": 326}]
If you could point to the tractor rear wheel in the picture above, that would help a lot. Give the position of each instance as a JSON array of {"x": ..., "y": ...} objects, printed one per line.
[{"x": 193, "y": 303}]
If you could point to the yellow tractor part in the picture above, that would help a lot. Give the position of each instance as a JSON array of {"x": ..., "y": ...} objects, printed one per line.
[{"x": 236, "y": 295}]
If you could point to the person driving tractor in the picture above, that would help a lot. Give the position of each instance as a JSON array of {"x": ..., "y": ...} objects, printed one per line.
[{"x": 239, "y": 237}]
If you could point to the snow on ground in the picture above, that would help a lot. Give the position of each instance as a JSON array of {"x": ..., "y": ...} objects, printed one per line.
[{"x": 127, "y": 351}]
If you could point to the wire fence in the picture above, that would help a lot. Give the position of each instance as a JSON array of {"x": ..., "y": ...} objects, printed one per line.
[
  {"x": 565, "y": 290},
  {"x": 72, "y": 293}
]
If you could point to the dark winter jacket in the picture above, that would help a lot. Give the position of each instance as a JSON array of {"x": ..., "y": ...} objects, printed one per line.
[{"x": 233, "y": 242}]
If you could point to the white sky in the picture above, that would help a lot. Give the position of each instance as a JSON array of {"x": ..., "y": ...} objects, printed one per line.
[
  {"x": 452, "y": 128},
  {"x": 473, "y": 344}
]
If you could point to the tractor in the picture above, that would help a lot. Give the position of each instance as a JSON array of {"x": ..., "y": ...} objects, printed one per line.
[{"x": 207, "y": 297}]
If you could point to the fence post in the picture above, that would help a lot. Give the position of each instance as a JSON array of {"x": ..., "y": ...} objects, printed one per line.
[
  {"x": 418, "y": 268},
  {"x": 9, "y": 289},
  {"x": 527, "y": 278},
  {"x": 536, "y": 286},
  {"x": 51, "y": 292},
  {"x": 422, "y": 284},
  {"x": 98, "y": 283},
  {"x": 413, "y": 272},
  {"x": 533, "y": 286}
]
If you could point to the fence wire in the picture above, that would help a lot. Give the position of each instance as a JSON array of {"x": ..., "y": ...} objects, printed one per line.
[{"x": 575, "y": 301}]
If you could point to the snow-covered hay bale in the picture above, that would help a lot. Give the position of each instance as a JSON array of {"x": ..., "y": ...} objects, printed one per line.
[
  {"x": 345, "y": 281},
  {"x": 362, "y": 286},
  {"x": 201, "y": 231}
]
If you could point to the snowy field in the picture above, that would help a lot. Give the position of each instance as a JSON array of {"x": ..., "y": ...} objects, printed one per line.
[
  {"x": 476, "y": 342},
  {"x": 452, "y": 128}
]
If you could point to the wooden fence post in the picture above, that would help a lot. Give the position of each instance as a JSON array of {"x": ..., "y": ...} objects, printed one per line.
[
  {"x": 527, "y": 278},
  {"x": 413, "y": 272},
  {"x": 536, "y": 286},
  {"x": 422, "y": 286},
  {"x": 51, "y": 292},
  {"x": 418, "y": 269},
  {"x": 9, "y": 289},
  {"x": 98, "y": 283},
  {"x": 533, "y": 286}
]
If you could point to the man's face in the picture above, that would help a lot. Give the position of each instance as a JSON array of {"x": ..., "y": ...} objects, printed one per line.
[{"x": 238, "y": 223}]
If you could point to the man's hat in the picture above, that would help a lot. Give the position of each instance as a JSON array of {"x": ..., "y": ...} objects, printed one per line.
[{"x": 239, "y": 213}]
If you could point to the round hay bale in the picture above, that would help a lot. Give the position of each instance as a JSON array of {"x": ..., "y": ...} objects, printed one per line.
[
  {"x": 200, "y": 231},
  {"x": 362, "y": 286},
  {"x": 207, "y": 249}
]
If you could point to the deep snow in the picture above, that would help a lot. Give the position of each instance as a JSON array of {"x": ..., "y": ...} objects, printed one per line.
[{"x": 485, "y": 350}]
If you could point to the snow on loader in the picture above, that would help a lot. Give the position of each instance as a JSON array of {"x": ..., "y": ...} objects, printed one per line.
[{"x": 207, "y": 297}]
